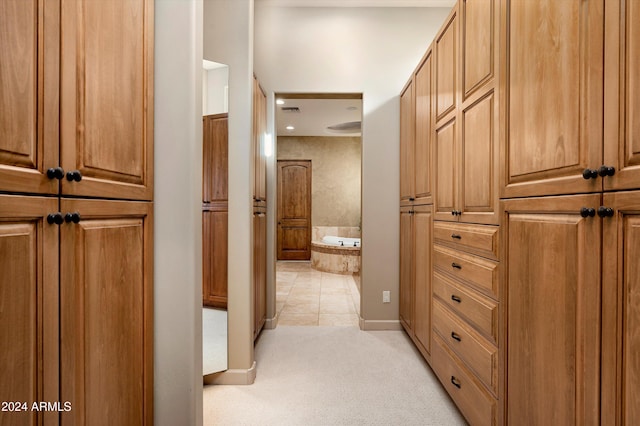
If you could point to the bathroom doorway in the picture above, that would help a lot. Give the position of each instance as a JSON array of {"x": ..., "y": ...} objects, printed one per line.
[{"x": 324, "y": 130}]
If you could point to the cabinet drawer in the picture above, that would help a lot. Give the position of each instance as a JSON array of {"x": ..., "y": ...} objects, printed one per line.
[
  {"x": 479, "y": 355},
  {"x": 478, "y": 310},
  {"x": 478, "y": 239},
  {"x": 477, "y": 406},
  {"x": 477, "y": 271}
]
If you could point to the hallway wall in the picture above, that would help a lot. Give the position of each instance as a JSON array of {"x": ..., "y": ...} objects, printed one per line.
[{"x": 356, "y": 50}]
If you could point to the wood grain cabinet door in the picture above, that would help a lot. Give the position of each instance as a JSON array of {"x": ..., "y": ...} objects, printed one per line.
[
  {"x": 214, "y": 257},
  {"x": 106, "y": 118},
  {"x": 106, "y": 312},
  {"x": 424, "y": 123},
  {"x": 259, "y": 270},
  {"x": 406, "y": 268},
  {"x": 28, "y": 307},
  {"x": 552, "y": 99},
  {"x": 422, "y": 267},
  {"x": 29, "y": 95},
  {"x": 446, "y": 172},
  {"x": 215, "y": 158},
  {"x": 622, "y": 92},
  {"x": 407, "y": 143},
  {"x": 446, "y": 53},
  {"x": 552, "y": 295},
  {"x": 621, "y": 310}
]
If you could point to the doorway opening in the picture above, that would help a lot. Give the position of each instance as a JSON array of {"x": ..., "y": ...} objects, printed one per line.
[{"x": 318, "y": 209}]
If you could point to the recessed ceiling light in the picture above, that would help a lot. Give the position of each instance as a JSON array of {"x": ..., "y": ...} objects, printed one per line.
[
  {"x": 279, "y": 102},
  {"x": 290, "y": 128}
]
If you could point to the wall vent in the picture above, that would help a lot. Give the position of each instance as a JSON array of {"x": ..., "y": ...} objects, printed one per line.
[{"x": 290, "y": 109}]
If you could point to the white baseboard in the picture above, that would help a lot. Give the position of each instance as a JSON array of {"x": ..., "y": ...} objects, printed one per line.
[
  {"x": 379, "y": 325},
  {"x": 271, "y": 323},
  {"x": 236, "y": 376}
]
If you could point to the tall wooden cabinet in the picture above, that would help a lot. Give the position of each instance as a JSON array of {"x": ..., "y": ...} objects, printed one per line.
[
  {"x": 215, "y": 208},
  {"x": 76, "y": 172},
  {"x": 259, "y": 208}
]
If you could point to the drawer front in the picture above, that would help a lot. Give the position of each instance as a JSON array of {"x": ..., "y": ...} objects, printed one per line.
[
  {"x": 478, "y": 239},
  {"x": 478, "y": 310},
  {"x": 477, "y": 406},
  {"x": 479, "y": 355},
  {"x": 477, "y": 271}
]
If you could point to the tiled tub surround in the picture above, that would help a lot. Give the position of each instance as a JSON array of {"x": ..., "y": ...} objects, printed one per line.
[{"x": 331, "y": 258}]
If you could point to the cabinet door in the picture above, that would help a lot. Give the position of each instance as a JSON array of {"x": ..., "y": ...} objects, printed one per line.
[
  {"x": 622, "y": 92},
  {"x": 423, "y": 131},
  {"x": 106, "y": 299},
  {"x": 214, "y": 258},
  {"x": 29, "y": 95},
  {"x": 552, "y": 102},
  {"x": 621, "y": 311},
  {"x": 445, "y": 175},
  {"x": 422, "y": 234},
  {"x": 259, "y": 131},
  {"x": 215, "y": 158},
  {"x": 106, "y": 126},
  {"x": 478, "y": 46},
  {"x": 406, "y": 269},
  {"x": 407, "y": 142},
  {"x": 446, "y": 67},
  {"x": 28, "y": 307},
  {"x": 259, "y": 270},
  {"x": 552, "y": 361}
]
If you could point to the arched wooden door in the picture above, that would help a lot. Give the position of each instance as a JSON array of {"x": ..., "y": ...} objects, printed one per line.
[{"x": 294, "y": 210}]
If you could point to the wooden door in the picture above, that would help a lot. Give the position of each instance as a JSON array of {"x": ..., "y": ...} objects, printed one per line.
[
  {"x": 621, "y": 310},
  {"x": 259, "y": 131},
  {"x": 214, "y": 257},
  {"x": 29, "y": 95},
  {"x": 552, "y": 102},
  {"x": 215, "y": 158},
  {"x": 424, "y": 124},
  {"x": 551, "y": 351},
  {"x": 622, "y": 95},
  {"x": 28, "y": 307},
  {"x": 406, "y": 268},
  {"x": 446, "y": 176},
  {"x": 422, "y": 236},
  {"x": 259, "y": 270},
  {"x": 106, "y": 121},
  {"x": 294, "y": 209},
  {"x": 106, "y": 314},
  {"x": 407, "y": 143}
]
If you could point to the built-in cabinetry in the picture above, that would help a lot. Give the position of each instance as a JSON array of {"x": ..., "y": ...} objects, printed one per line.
[
  {"x": 215, "y": 208},
  {"x": 76, "y": 225},
  {"x": 259, "y": 208}
]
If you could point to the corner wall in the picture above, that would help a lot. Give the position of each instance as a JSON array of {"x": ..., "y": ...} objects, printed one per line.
[{"x": 354, "y": 50}]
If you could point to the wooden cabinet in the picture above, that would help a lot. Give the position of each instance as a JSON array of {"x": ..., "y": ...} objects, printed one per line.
[
  {"x": 552, "y": 130},
  {"x": 407, "y": 142},
  {"x": 259, "y": 271},
  {"x": 445, "y": 47},
  {"x": 416, "y": 228},
  {"x": 76, "y": 285},
  {"x": 259, "y": 208},
  {"x": 215, "y": 207},
  {"x": 259, "y": 134},
  {"x": 552, "y": 339}
]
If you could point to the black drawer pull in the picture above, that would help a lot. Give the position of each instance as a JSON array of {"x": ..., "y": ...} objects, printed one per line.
[
  {"x": 456, "y": 382},
  {"x": 456, "y": 236},
  {"x": 455, "y": 265},
  {"x": 456, "y": 336},
  {"x": 455, "y": 298}
]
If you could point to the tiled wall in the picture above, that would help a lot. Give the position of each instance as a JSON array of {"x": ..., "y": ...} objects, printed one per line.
[{"x": 317, "y": 232}]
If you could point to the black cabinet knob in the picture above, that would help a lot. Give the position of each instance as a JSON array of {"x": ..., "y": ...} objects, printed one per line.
[
  {"x": 455, "y": 265},
  {"x": 74, "y": 175},
  {"x": 456, "y": 298},
  {"x": 456, "y": 336},
  {"x": 55, "y": 218},
  {"x": 590, "y": 174},
  {"x": 411, "y": 199},
  {"x": 456, "y": 382},
  {"x": 456, "y": 236},
  {"x": 55, "y": 173},
  {"x": 72, "y": 217},
  {"x": 453, "y": 212},
  {"x": 606, "y": 171},
  {"x": 587, "y": 212},
  {"x": 605, "y": 211}
]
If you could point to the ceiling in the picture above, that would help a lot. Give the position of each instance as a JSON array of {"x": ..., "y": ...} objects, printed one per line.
[
  {"x": 357, "y": 3},
  {"x": 315, "y": 115}
]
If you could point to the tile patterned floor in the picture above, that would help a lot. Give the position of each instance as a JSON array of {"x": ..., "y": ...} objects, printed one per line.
[{"x": 305, "y": 296}]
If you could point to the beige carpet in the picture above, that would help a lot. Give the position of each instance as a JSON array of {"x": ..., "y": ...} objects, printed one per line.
[{"x": 334, "y": 376}]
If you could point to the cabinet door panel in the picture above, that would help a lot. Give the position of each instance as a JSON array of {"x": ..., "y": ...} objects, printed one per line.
[
  {"x": 106, "y": 298},
  {"x": 552, "y": 258},
  {"x": 406, "y": 273},
  {"x": 259, "y": 270},
  {"x": 478, "y": 27},
  {"x": 424, "y": 130},
  {"x": 423, "y": 230},
  {"x": 29, "y": 95},
  {"x": 214, "y": 262},
  {"x": 478, "y": 197},
  {"x": 215, "y": 164},
  {"x": 107, "y": 97},
  {"x": 553, "y": 130},
  {"x": 621, "y": 311},
  {"x": 28, "y": 307},
  {"x": 446, "y": 52},
  {"x": 445, "y": 172},
  {"x": 622, "y": 91},
  {"x": 407, "y": 142}
]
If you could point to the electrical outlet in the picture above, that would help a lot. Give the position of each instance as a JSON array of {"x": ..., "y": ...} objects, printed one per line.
[{"x": 386, "y": 296}]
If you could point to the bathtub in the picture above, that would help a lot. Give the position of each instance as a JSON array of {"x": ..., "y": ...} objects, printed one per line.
[{"x": 339, "y": 255}]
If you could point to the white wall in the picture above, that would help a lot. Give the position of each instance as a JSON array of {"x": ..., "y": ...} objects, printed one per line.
[
  {"x": 177, "y": 221},
  {"x": 364, "y": 50},
  {"x": 214, "y": 83}
]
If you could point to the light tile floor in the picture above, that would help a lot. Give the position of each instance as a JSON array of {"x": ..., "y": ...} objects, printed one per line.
[{"x": 305, "y": 296}]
